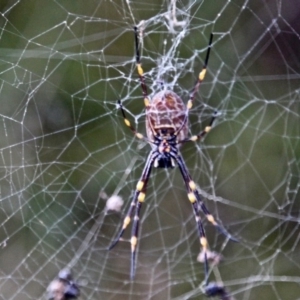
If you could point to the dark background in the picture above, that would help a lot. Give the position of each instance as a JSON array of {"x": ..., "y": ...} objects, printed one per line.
[{"x": 64, "y": 65}]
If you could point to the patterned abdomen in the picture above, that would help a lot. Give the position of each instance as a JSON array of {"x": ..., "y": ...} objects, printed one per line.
[{"x": 165, "y": 115}]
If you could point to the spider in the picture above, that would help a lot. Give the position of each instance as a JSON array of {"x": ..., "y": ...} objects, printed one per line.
[{"x": 167, "y": 129}]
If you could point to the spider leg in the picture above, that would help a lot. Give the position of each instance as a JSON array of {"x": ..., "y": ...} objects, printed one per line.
[
  {"x": 192, "y": 198},
  {"x": 200, "y": 78},
  {"x": 135, "y": 206},
  {"x": 194, "y": 195},
  {"x": 134, "y": 236},
  {"x": 196, "y": 202},
  {"x": 201, "y": 75},
  {"x": 139, "y": 68},
  {"x": 206, "y": 130},
  {"x": 128, "y": 124}
]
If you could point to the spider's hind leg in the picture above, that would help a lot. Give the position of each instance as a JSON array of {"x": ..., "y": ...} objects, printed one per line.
[
  {"x": 198, "y": 204},
  {"x": 135, "y": 207}
]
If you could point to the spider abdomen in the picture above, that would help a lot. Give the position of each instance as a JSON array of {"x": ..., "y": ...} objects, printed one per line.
[{"x": 165, "y": 115}]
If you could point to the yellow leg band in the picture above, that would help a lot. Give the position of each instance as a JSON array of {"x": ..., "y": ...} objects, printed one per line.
[
  {"x": 202, "y": 74},
  {"x": 127, "y": 123},
  {"x": 141, "y": 197},
  {"x": 146, "y": 102},
  {"x": 203, "y": 242},
  {"x": 207, "y": 129},
  {"x": 140, "y": 185},
  {"x": 139, "y": 135},
  {"x": 211, "y": 219},
  {"x": 133, "y": 242},
  {"x": 192, "y": 197},
  {"x": 126, "y": 222},
  {"x": 192, "y": 185},
  {"x": 140, "y": 69}
]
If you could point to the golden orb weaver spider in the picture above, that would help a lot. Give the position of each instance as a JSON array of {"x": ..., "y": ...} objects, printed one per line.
[{"x": 167, "y": 129}]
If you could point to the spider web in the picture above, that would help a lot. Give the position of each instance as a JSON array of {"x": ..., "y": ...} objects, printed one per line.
[{"x": 64, "y": 149}]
